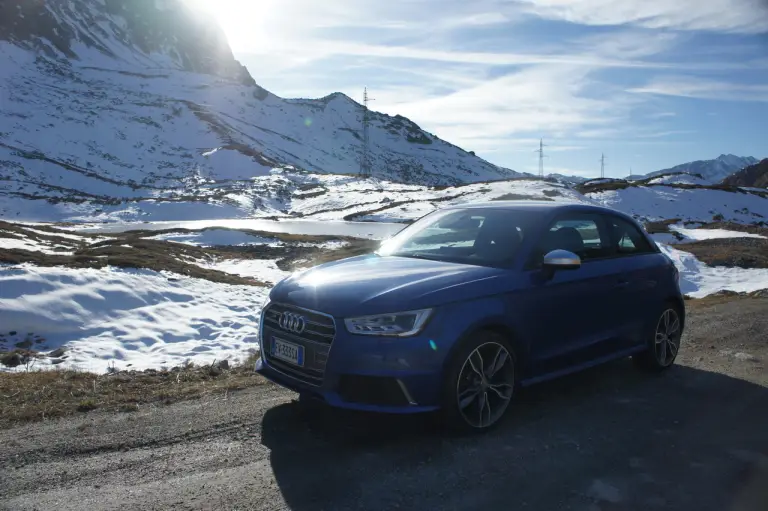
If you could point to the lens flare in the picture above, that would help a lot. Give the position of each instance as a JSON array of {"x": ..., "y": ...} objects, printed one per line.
[
  {"x": 308, "y": 122},
  {"x": 432, "y": 345}
]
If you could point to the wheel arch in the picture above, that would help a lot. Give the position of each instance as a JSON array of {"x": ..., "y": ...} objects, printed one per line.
[
  {"x": 500, "y": 327},
  {"x": 679, "y": 302}
]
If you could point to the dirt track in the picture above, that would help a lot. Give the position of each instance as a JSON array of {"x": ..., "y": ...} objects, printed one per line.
[{"x": 693, "y": 438}]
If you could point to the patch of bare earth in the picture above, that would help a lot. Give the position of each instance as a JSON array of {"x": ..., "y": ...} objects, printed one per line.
[{"x": 731, "y": 252}]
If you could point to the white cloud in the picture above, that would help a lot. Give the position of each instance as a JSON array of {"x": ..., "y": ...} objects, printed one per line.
[
  {"x": 471, "y": 73},
  {"x": 545, "y": 99},
  {"x": 661, "y": 115},
  {"x": 696, "y": 87},
  {"x": 740, "y": 16}
]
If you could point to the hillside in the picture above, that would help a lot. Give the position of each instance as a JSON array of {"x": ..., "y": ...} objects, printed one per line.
[
  {"x": 710, "y": 171},
  {"x": 754, "y": 176},
  {"x": 118, "y": 100}
]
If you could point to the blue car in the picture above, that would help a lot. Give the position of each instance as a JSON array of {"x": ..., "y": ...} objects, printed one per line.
[{"x": 469, "y": 303}]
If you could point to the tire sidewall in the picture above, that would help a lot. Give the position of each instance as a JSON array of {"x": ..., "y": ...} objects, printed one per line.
[
  {"x": 648, "y": 358},
  {"x": 452, "y": 416}
]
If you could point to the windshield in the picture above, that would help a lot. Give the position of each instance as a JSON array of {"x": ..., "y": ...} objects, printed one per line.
[{"x": 481, "y": 236}]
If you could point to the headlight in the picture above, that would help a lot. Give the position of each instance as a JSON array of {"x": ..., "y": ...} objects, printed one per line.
[{"x": 398, "y": 324}]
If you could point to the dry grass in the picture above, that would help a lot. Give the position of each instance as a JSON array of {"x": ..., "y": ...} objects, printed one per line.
[
  {"x": 723, "y": 297},
  {"x": 37, "y": 395},
  {"x": 731, "y": 252},
  {"x": 732, "y": 226}
]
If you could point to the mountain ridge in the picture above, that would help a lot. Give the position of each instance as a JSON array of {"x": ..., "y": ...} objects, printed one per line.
[
  {"x": 99, "y": 98},
  {"x": 712, "y": 171},
  {"x": 754, "y": 176}
]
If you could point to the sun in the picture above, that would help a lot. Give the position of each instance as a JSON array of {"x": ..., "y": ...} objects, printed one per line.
[{"x": 245, "y": 22}]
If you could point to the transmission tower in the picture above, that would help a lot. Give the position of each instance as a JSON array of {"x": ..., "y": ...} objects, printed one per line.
[
  {"x": 602, "y": 166},
  {"x": 540, "y": 150},
  {"x": 365, "y": 163}
]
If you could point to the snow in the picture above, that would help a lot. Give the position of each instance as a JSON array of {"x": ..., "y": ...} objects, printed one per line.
[
  {"x": 699, "y": 280},
  {"x": 32, "y": 245},
  {"x": 679, "y": 179},
  {"x": 129, "y": 319},
  {"x": 712, "y": 171},
  {"x": 689, "y": 205},
  {"x": 710, "y": 234},
  {"x": 265, "y": 270}
]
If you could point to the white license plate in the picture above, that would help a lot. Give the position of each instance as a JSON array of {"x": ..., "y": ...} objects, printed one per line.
[{"x": 288, "y": 352}]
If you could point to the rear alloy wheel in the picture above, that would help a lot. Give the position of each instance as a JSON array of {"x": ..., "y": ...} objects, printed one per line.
[
  {"x": 666, "y": 342},
  {"x": 481, "y": 389}
]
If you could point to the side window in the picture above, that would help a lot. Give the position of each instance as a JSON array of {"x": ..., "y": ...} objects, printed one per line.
[
  {"x": 582, "y": 235},
  {"x": 627, "y": 238}
]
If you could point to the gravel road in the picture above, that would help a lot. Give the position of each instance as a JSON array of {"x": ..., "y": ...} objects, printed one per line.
[{"x": 694, "y": 438}]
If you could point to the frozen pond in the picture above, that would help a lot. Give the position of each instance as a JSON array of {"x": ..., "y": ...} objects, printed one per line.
[{"x": 368, "y": 230}]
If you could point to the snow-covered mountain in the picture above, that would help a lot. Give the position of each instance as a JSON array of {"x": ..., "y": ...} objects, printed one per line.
[
  {"x": 711, "y": 171},
  {"x": 112, "y": 100}
]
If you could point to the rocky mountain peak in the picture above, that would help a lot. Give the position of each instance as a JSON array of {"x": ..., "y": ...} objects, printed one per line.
[{"x": 165, "y": 32}]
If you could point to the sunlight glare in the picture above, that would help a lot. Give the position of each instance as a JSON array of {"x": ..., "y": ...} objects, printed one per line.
[{"x": 245, "y": 22}]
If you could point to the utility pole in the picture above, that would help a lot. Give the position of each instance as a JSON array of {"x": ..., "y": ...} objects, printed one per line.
[
  {"x": 365, "y": 164},
  {"x": 602, "y": 166},
  {"x": 540, "y": 150}
]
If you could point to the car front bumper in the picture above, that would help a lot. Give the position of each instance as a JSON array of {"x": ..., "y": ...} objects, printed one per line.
[{"x": 367, "y": 373}]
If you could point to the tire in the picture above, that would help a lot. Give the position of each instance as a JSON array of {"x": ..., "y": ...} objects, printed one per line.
[
  {"x": 475, "y": 403},
  {"x": 663, "y": 341}
]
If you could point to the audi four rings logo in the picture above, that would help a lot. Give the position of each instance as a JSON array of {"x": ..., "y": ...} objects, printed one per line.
[{"x": 292, "y": 322}]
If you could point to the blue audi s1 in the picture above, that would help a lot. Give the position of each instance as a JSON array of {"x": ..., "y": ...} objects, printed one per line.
[{"x": 471, "y": 302}]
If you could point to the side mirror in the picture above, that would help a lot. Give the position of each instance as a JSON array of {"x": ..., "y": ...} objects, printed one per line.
[{"x": 561, "y": 260}]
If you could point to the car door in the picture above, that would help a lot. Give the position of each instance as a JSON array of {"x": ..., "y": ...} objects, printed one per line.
[
  {"x": 571, "y": 316},
  {"x": 635, "y": 261}
]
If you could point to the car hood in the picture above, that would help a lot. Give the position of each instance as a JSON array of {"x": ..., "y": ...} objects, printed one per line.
[{"x": 373, "y": 284}]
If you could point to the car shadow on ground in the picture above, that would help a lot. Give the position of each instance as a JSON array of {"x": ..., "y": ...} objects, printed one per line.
[{"x": 607, "y": 438}]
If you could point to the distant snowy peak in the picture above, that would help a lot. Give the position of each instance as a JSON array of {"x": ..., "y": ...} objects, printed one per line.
[
  {"x": 161, "y": 33},
  {"x": 711, "y": 171}
]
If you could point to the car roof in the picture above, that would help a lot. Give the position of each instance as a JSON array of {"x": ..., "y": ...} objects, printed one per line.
[
  {"x": 532, "y": 205},
  {"x": 542, "y": 206}
]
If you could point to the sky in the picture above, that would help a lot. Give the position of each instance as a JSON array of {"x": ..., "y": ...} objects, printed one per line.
[{"x": 648, "y": 83}]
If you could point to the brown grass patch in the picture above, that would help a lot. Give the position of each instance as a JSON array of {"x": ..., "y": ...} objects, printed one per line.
[
  {"x": 724, "y": 297},
  {"x": 731, "y": 226},
  {"x": 731, "y": 252},
  {"x": 37, "y": 395}
]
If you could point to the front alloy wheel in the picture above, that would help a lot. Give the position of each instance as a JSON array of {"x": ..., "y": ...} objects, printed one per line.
[
  {"x": 480, "y": 383},
  {"x": 485, "y": 385}
]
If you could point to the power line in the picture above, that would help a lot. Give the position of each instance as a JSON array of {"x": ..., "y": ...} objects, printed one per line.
[
  {"x": 365, "y": 163},
  {"x": 540, "y": 150}
]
